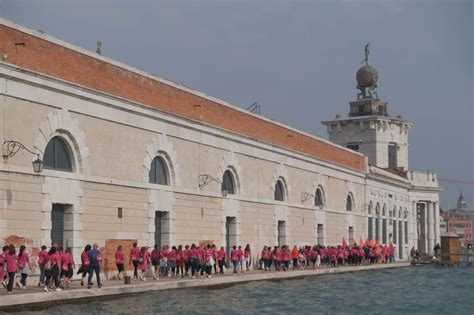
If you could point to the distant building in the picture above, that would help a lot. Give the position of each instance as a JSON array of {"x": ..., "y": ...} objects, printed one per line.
[
  {"x": 443, "y": 225},
  {"x": 460, "y": 220}
]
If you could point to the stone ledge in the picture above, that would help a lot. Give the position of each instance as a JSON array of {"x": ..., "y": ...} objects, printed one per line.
[{"x": 112, "y": 289}]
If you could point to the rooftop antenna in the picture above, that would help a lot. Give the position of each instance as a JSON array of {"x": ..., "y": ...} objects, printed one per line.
[
  {"x": 99, "y": 46},
  {"x": 254, "y": 108}
]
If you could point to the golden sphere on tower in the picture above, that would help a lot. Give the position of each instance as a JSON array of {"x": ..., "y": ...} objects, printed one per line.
[{"x": 367, "y": 76}]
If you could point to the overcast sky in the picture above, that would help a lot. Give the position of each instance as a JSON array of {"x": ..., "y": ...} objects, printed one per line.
[{"x": 297, "y": 59}]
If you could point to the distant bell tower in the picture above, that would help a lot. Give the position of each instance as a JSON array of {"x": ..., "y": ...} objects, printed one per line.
[
  {"x": 461, "y": 202},
  {"x": 369, "y": 128}
]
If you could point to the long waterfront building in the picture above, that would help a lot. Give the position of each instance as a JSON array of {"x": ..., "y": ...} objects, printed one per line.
[{"x": 129, "y": 156}]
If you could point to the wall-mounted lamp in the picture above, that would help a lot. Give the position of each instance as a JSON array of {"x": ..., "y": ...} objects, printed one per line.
[
  {"x": 305, "y": 196},
  {"x": 10, "y": 148},
  {"x": 204, "y": 180}
]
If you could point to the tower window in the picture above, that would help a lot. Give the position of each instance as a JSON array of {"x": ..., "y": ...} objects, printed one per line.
[{"x": 392, "y": 155}]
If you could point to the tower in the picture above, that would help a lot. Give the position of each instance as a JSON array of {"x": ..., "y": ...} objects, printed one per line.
[
  {"x": 461, "y": 202},
  {"x": 369, "y": 128}
]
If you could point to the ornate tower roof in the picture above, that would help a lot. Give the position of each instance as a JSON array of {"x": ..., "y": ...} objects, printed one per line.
[{"x": 367, "y": 77}]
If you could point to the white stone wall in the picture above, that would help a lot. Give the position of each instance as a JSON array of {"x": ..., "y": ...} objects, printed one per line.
[{"x": 388, "y": 199}]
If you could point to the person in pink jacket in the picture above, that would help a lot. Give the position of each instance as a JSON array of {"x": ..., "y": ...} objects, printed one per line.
[
  {"x": 143, "y": 262},
  {"x": 235, "y": 258},
  {"x": 23, "y": 266},
  {"x": 67, "y": 267},
  {"x": 155, "y": 261},
  {"x": 119, "y": 261},
  {"x": 41, "y": 261},
  {"x": 134, "y": 257},
  {"x": 11, "y": 259}
]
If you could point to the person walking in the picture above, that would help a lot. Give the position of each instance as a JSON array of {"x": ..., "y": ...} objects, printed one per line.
[
  {"x": 52, "y": 270},
  {"x": 11, "y": 259},
  {"x": 180, "y": 262},
  {"x": 23, "y": 266},
  {"x": 193, "y": 258},
  {"x": 134, "y": 258},
  {"x": 119, "y": 261},
  {"x": 155, "y": 261},
  {"x": 41, "y": 261},
  {"x": 221, "y": 259},
  {"x": 235, "y": 258},
  {"x": 247, "y": 257},
  {"x": 95, "y": 258},
  {"x": 143, "y": 262},
  {"x": 67, "y": 267},
  {"x": 85, "y": 263}
]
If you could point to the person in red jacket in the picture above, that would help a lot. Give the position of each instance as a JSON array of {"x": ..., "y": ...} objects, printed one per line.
[{"x": 295, "y": 254}]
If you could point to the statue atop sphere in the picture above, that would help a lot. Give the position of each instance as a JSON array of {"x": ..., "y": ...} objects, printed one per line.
[{"x": 367, "y": 77}]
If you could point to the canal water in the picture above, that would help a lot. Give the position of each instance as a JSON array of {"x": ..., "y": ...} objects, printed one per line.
[{"x": 420, "y": 290}]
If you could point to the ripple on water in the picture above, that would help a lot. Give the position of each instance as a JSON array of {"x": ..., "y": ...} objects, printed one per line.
[{"x": 420, "y": 290}]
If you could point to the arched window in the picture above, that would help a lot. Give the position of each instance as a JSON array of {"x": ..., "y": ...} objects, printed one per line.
[
  {"x": 318, "y": 198},
  {"x": 158, "y": 171},
  {"x": 279, "y": 191},
  {"x": 57, "y": 155},
  {"x": 349, "y": 203},
  {"x": 384, "y": 211},
  {"x": 228, "y": 183},
  {"x": 370, "y": 208},
  {"x": 377, "y": 209}
]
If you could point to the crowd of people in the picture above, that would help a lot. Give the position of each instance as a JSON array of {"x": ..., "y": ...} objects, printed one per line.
[
  {"x": 57, "y": 266},
  {"x": 314, "y": 257}
]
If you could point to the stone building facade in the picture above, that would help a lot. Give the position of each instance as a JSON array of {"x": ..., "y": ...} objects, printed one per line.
[{"x": 133, "y": 157}]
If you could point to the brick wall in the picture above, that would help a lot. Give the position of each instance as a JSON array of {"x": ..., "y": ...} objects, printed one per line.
[
  {"x": 39, "y": 55},
  {"x": 108, "y": 252}
]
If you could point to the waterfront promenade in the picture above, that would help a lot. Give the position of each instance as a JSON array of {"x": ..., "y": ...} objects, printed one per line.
[{"x": 35, "y": 297}]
